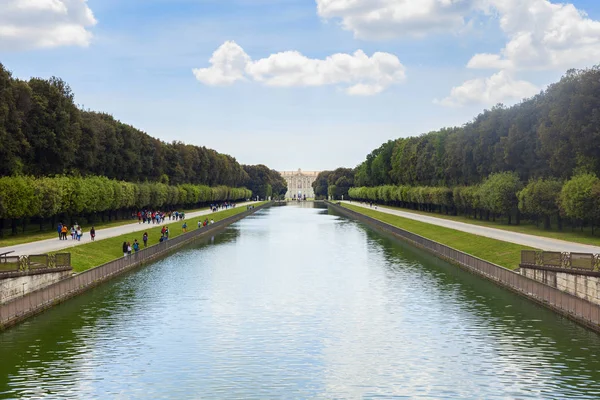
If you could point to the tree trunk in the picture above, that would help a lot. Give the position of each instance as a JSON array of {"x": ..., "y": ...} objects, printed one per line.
[
  {"x": 547, "y": 222},
  {"x": 509, "y": 218},
  {"x": 559, "y": 222},
  {"x": 518, "y": 217},
  {"x": 23, "y": 224},
  {"x": 13, "y": 226},
  {"x": 41, "y": 224},
  {"x": 1, "y": 227}
]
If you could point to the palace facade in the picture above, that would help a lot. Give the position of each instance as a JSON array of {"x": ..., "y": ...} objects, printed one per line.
[{"x": 299, "y": 183}]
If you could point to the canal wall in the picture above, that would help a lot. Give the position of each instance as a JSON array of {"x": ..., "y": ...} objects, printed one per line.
[
  {"x": 19, "y": 283},
  {"x": 575, "y": 308},
  {"x": 35, "y": 302},
  {"x": 583, "y": 284}
]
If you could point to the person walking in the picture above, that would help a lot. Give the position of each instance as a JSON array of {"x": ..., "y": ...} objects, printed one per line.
[
  {"x": 124, "y": 249},
  {"x": 73, "y": 232},
  {"x": 64, "y": 232},
  {"x": 79, "y": 233},
  {"x": 59, "y": 229},
  {"x": 128, "y": 248},
  {"x": 184, "y": 227},
  {"x": 145, "y": 239},
  {"x": 136, "y": 246},
  {"x": 93, "y": 233}
]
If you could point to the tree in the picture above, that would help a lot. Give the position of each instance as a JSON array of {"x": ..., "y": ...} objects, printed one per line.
[
  {"x": 541, "y": 198},
  {"x": 498, "y": 193},
  {"x": 579, "y": 198}
]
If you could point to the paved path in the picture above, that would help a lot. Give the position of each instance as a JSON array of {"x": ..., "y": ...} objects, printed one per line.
[
  {"x": 537, "y": 242},
  {"x": 50, "y": 245}
]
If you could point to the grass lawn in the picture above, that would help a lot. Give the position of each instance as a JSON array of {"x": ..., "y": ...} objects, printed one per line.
[
  {"x": 33, "y": 234},
  {"x": 97, "y": 253},
  {"x": 576, "y": 236},
  {"x": 498, "y": 252}
]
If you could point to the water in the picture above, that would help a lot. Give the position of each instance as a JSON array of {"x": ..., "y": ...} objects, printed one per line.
[{"x": 295, "y": 302}]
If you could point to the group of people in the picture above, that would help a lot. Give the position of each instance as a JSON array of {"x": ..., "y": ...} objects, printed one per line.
[
  {"x": 202, "y": 224},
  {"x": 129, "y": 248},
  {"x": 222, "y": 206},
  {"x": 75, "y": 231},
  {"x": 158, "y": 217}
]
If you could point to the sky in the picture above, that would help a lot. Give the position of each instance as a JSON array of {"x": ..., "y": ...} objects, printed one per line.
[{"x": 311, "y": 84}]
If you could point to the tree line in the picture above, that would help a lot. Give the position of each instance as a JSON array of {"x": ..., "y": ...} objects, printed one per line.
[
  {"x": 554, "y": 134},
  {"x": 67, "y": 197},
  {"x": 500, "y": 195},
  {"x": 539, "y": 159},
  {"x": 333, "y": 184},
  {"x": 43, "y": 132},
  {"x": 265, "y": 182}
]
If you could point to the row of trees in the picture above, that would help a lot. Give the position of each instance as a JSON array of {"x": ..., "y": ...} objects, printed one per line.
[
  {"x": 501, "y": 194},
  {"x": 554, "y": 134},
  {"x": 65, "y": 197},
  {"x": 265, "y": 182},
  {"x": 333, "y": 184},
  {"x": 43, "y": 132}
]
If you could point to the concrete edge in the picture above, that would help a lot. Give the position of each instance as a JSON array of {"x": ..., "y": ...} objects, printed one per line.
[
  {"x": 374, "y": 224},
  {"x": 59, "y": 299}
]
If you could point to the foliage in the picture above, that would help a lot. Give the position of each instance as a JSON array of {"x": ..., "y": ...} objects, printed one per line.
[
  {"x": 44, "y": 133},
  {"x": 334, "y": 184},
  {"x": 553, "y": 134},
  {"x": 22, "y": 196},
  {"x": 265, "y": 182},
  {"x": 580, "y": 197}
]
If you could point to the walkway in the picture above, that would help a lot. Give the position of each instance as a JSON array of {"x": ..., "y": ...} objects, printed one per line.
[
  {"x": 523, "y": 239},
  {"x": 51, "y": 245}
]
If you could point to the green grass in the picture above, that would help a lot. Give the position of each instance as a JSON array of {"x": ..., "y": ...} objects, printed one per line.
[
  {"x": 498, "y": 252},
  {"x": 527, "y": 227},
  {"x": 100, "y": 252},
  {"x": 33, "y": 234}
]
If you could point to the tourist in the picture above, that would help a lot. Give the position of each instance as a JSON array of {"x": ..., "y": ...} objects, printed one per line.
[
  {"x": 136, "y": 246},
  {"x": 199, "y": 224},
  {"x": 145, "y": 239},
  {"x": 64, "y": 232},
  {"x": 184, "y": 227},
  {"x": 79, "y": 233},
  {"x": 212, "y": 221},
  {"x": 59, "y": 229},
  {"x": 166, "y": 232},
  {"x": 128, "y": 248},
  {"x": 73, "y": 232},
  {"x": 124, "y": 249},
  {"x": 93, "y": 233}
]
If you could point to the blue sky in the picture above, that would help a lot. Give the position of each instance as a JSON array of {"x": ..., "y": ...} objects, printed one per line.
[{"x": 135, "y": 60}]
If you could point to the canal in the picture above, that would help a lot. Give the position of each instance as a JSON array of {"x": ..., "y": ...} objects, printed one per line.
[{"x": 297, "y": 302}]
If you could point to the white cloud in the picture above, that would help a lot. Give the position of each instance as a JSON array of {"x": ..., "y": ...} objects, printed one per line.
[
  {"x": 228, "y": 64},
  {"x": 498, "y": 88},
  {"x": 383, "y": 19},
  {"x": 542, "y": 35},
  {"x": 359, "y": 73},
  {"x": 26, "y": 24}
]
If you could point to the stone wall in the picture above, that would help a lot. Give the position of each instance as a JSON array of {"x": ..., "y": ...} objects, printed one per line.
[
  {"x": 17, "y": 284},
  {"x": 583, "y": 284}
]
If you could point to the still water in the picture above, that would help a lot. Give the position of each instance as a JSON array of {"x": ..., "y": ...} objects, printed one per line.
[{"x": 297, "y": 302}]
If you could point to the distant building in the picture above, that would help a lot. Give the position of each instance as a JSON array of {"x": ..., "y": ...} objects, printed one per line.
[{"x": 299, "y": 183}]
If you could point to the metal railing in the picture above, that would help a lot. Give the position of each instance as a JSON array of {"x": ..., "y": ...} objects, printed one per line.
[
  {"x": 580, "y": 310},
  {"x": 560, "y": 260},
  {"x": 34, "y": 262}
]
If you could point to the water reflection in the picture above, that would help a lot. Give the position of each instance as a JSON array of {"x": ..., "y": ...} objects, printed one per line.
[{"x": 295, "y": 302}]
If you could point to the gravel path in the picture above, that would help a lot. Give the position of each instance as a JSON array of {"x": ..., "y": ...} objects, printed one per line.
[
  {"x": 51, "y": 245},
  {"x": 537, "y": 242}
]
